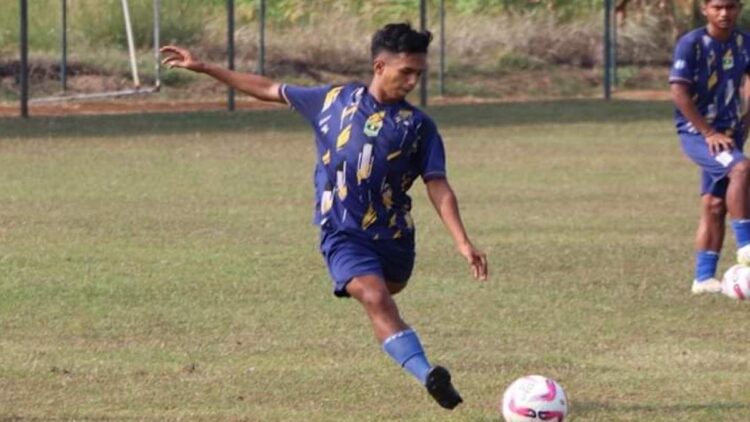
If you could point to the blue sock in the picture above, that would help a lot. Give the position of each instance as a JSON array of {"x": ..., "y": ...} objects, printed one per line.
[
  {"x": 705, "y": 264},
  {"x": 741, "y": 230},
  {"x": 404, "y": 347}
]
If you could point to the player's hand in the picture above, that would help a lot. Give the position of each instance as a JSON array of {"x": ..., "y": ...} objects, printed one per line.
[
  {"x": 476, "y": 259},
  {"x": 179, "y": 57},
  {"x": 718, "y": 142}
]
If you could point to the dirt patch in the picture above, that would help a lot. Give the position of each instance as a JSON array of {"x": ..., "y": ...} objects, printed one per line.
[
  {"x": 69, "y": 108},
  {"x": 114, "y": 106}
]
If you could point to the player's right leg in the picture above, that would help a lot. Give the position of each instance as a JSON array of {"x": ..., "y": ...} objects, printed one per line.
[
  {"x": 399, "y": 341},
  {"x": 725, "y": 175},
  {"x": 708, "y": 242},
  {"x": 357, "y": 270}
]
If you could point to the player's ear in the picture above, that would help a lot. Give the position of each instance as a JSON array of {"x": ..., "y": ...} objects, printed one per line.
[{"x": 377, "y": 66}]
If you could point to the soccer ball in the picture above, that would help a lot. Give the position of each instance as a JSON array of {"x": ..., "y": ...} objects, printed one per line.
[
  {"x": 534, "y": 398},
  {"x": 736, "y": 282}
]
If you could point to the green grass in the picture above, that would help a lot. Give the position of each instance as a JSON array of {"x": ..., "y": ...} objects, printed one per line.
[{"x": 162, "y": 267}]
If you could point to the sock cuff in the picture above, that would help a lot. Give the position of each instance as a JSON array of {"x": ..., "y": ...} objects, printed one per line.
[
  {"x": 398, "y": 335},
  {"x": 403, "y": 346},
  {"x": 705, "y": 252}
]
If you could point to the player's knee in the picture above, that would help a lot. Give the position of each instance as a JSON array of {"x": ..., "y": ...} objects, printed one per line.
[
  {"x": 740, "y": 170},
  {"x": 377, "y": 298},
  {"x": 714, "y": 207}
]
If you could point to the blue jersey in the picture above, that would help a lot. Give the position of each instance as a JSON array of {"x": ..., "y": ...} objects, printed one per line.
[
  {"x": 368, "y": 156},
  {"x": 714, "y": 71}
]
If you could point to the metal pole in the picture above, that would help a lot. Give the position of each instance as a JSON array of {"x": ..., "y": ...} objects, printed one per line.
[
  {"x": 64, "y": 47},
  {"x": 262, "y": 38},
  {"x": 230, "y": 50},
  {"x": 696, "y": 15},
  {"x": 157, "y": 42},
  {"x": 423, "y": 27},
  {"x": 442, "y": 48},
  {"x": 24, "y": 70},
  {"x": 607, "y": 55},
  {"x": 131, "y": 43},
  {"x": 614, "y": 49}
]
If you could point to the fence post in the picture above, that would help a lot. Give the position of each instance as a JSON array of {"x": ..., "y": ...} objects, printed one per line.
[
  {"x": 262, "y": 37},
  {"x": 64, "y": 47},
  {"x": 230, "y": 50},
  {"x": 24, "y": 68},
  {"x": 442, "y": 48},
  {"x": 423, "y": 27},
  {"x": 607, "y": 53}
]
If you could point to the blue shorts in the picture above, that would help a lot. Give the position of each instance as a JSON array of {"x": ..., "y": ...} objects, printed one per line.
[
  {"x": 348, "y": 256},
  {"x": 714, "y": 168}
]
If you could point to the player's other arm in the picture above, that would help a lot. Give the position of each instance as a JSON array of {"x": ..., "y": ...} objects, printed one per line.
[
  {"x": 256, "y": 86},
  {"x": 683, "y": 100},
  {"x": 445, "y": 203},
  {"x": 746, "y": 104}
]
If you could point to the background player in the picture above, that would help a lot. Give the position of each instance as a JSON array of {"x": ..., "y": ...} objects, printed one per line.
[{"x": 706, "y": 77}]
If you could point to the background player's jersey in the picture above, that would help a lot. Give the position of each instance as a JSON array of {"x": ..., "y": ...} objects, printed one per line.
[
  {"x": 714, "y": 71},
  {"x": 368, "y": 156}
]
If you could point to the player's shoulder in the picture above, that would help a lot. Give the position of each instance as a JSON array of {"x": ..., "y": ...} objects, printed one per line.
[
  {"x": 354, "y": 89},
  {"x": 693, "y": 37},
  {"x": 742, "y": 38}
]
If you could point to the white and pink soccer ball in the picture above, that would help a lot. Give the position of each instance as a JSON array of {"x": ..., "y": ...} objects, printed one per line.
[
  {"x": 736, "y": 282},
  {"x": 534, "y": 398}
]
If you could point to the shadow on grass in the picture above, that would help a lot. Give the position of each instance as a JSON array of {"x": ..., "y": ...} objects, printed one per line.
[
  {"x": 584, "y": 408},
  {"x": 472, "y": 115}
]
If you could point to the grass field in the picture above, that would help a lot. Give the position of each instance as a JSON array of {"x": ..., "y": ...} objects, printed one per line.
[{"x": 163, "y": 267}]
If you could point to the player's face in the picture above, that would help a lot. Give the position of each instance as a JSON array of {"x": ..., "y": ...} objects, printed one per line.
[
  {"x": 399, "y": 74},
  {"x": 722, "y": 14}
]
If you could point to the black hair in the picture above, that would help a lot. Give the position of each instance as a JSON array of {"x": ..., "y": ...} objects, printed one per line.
[{"x": 399, "y": 38}]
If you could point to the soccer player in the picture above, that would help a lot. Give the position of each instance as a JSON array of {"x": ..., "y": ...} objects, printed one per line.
[
  {"x": 706, "y": 79},
  {"x": 371, "y": 147}
]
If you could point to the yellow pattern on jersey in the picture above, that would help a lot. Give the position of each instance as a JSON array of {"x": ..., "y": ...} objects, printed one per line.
[
  {"x": 370, "y": 217},
  {"x": 331, "y": 97},
  {"x": 343, "y": 137}
]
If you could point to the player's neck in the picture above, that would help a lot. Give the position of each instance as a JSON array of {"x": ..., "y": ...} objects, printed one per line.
[
  {"x": 719, "y": 34},
  {"x": 379, "y": 94}
]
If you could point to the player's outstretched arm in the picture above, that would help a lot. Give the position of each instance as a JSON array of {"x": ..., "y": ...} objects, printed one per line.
[
  {"x": 445, "y": 202},
  {"x": 257, "y": 86}
]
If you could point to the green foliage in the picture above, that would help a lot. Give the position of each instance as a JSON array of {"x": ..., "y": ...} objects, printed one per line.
[
  {"x": 100, "y": 23},
  {"x": 515, "y": 61}
]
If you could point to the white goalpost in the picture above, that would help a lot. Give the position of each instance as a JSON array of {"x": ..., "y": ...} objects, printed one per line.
[{"x": 136, "y": 89}]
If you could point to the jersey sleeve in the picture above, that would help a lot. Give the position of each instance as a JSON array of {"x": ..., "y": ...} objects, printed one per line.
[
  {"x": 683, "y": 62},
  {"x": 307, "y": 101},
  {"x": 431, "y": 152}
]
